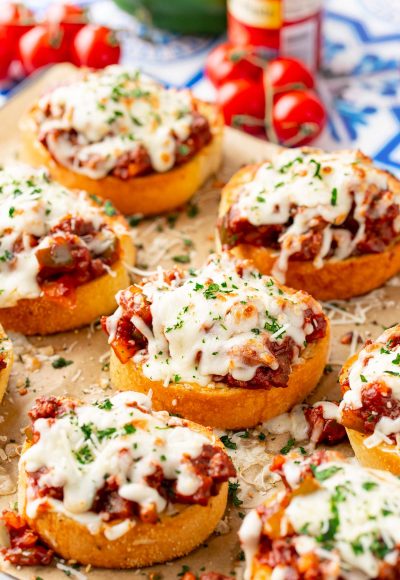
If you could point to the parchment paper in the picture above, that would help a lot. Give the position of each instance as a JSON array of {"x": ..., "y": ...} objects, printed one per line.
[{"x": 188, "y": 232}]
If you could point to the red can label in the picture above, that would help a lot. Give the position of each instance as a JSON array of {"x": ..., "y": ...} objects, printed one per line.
[{"x": 283, "y": 27}]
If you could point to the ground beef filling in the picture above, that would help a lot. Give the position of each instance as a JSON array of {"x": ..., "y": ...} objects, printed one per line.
[
  {"x": 380, "y": 232},
  {"x": 213, "y": 467},
  {"x": 25, "y": 547},
  {"x": 136, "y": 162},
  {"x": 322, "y": 430},
  {"x": 66, "y": 262},
  {"x": 128, "y": 340}
]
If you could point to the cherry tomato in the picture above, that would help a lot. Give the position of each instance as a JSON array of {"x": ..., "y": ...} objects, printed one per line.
[
  {"x": 6, "y": 55},
  {"x": 41, "y": 46},
  {"x": 286, "y": 74},
  {"x": 15, "y": 20},
  {"x": 228, "y": 62},
  {"x": 298, "y": 117},
  {"x": 69, "y": 17},
  {"x": 243, "y": 98},
  {"x": 96, "y": 46}
]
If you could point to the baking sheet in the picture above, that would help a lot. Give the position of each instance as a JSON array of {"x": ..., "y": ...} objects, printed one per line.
[{"x": 188, "y": 232}]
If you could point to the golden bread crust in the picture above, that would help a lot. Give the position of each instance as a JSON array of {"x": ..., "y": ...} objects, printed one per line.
[
  {"x": 8, "y": 359},
  {"x": 44, "y": 316},
  {"x": 337, "y": 279},
  {"x": 383, "y": 456},
  {"x": 144, "y": 544},
  {"x": 227, "y": 407},
  {"x": 150, "y": 194}
]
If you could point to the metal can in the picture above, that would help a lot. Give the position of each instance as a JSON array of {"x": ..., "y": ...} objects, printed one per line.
[{"x": 281, "y": 27}]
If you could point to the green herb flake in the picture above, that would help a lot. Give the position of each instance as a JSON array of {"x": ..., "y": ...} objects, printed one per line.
[
  {"x": 182, "y": 259},
  {"x": 84, "y": 455},
  {"x": 323, "y": 474},
  {"x": 396, "y": 361},
  {"x": 233, "y": 488},
  {"x": 106, "y": 433},
  {"x": 134, "y": 220},
  {"x": 288, "y": 447},
  {"x": 87, "y": 429},
  {"x": 392, "y": 373},
  {"x": 227, "y": 441},
  {"x": 368, "y": 485},
  {"x": 61, "y": 362},
  {"x": 317, "y": 172},
  {"x": 183, "y": 149},
  {"x": 105, "y": 405},
  {"x": 109, "y": 209}
]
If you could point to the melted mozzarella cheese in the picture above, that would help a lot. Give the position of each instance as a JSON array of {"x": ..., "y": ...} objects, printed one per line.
[
  {"x": 293, "y": 422},
  {"x": 216, "y": 322},
  {"x": 357, "y": 509},
  {"x": 115, "y": 111},
  {"x": 307, "y": 187},
  {"x": 31, "y": 205},
  {"x": 377, "y": 363},
  {"x": 120, "y": 437}
]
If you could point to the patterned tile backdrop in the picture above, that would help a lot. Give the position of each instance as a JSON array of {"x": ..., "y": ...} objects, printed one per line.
[{"x": 360, "y": 80}]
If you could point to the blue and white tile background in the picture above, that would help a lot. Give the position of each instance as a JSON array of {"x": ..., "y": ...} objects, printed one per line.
[{"x": 360, "y": 81}]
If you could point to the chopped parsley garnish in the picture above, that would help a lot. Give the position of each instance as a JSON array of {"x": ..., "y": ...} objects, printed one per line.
[
  {"x": 61, "y": 362},
  {"x": 211, "y": 291},
  {"x": 7, "y": 256},
  {"x": 183, "y": 149},
  {"x": 182, "y": 259},
  {"x": 129, "y": 428},
  {"x": 177, "y": 378},
  {"x": 393, "y": 373},
  {"x": 288, "y": 447},
  {"x": 368, "y": 485},
  {"x": 192, "y": 209},
  {"x": 11, "y": 212},
  {"x": 106, "y": 433},
  {"x": 87, "y": 429},
  {"x": 134, "y": 220},
  {"x": 379, "y": 548},
  {"x": 285, "y": 168},
  {"x": 185, "y": 569},
  {"x": 363, "y": 379},
  {"x": 227, "y": 441},
  {"x": 317, "y": 172},
  {"x": 105, "y": 405},
  {"x": 334, "y": 196},
  {"x": 109, "y": 209},
  {"x": 323, "y": 474},
  {"x": 357, "y": 547},
  {"x": 333, "y": 523},
  {"x": 272, "y": 324},
  {"x": 233, "y": 488},
  {"x": 96, "y": 198},
  {"x": 84, "y": 455},
  {"x": 396, "y": 361}
]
